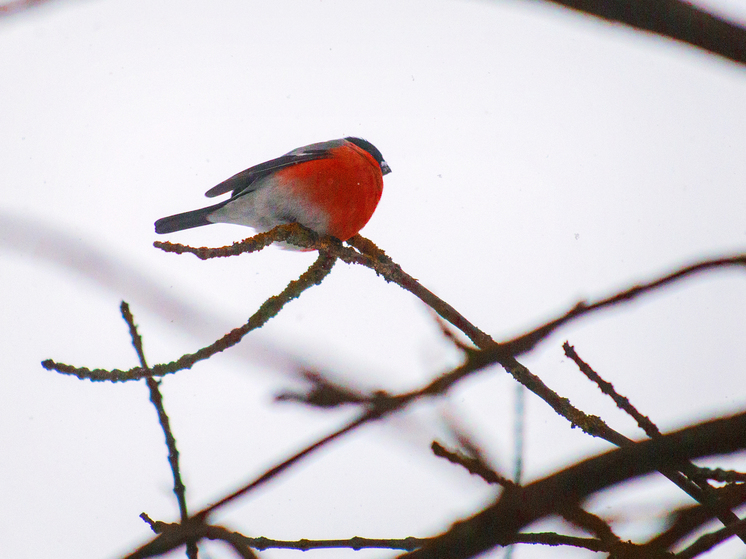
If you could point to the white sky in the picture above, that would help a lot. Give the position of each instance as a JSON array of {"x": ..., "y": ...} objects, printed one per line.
[{"x": 538, "y": 158}]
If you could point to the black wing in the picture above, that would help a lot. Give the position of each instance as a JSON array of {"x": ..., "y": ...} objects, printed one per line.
[{"x": 241, "y": 182}]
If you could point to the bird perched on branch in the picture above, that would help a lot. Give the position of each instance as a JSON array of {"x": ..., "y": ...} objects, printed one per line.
[{"x": 331, "y": 187}]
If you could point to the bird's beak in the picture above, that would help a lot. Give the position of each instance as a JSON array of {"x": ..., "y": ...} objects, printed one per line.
[{"x": 385, "y": 169}]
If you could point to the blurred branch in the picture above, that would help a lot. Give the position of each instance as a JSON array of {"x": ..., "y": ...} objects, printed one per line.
[
  {"x": 323, "y": 393},
  {"x": 95, "y": 265},
  {"x": 449, "y": 334},
  {"x": 724, "y": 476},
  {"x": 573, "y": 514},
  {"x": 520, "y": 506},
  {"x": 674, "y": 19},
  {"x": 591, "y": 523},
  {"x": 16, "y": 6},
  {"x": 692, "y": 518}
]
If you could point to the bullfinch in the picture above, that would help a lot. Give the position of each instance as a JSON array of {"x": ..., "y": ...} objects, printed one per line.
[{"x": 331, "y": 187}]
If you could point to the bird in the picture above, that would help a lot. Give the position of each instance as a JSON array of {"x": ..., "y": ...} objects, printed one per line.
[{"x": 330, "y": 187}]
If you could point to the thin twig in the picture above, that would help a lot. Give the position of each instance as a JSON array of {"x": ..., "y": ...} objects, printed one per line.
[
  {"x": 622, "y": 402},
  {"x": 357, "y": 543},
  {"x": 292, "y": 233},
  {"x": 157, "y": 400},
  {"x": 474, "y": 466},
  {"x": 313, "y": 276}
]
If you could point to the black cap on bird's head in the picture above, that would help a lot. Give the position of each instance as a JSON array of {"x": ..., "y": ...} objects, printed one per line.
[{"x": 373, "y": 151}]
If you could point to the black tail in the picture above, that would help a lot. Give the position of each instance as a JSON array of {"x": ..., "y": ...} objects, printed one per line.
[{"x": 187, "y": 220}]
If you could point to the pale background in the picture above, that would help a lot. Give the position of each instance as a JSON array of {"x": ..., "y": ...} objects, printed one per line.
[{"x": 539, "y": 157}]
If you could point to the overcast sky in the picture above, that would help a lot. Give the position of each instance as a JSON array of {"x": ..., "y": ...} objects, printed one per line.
[{"x": 539, "y": 157}]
